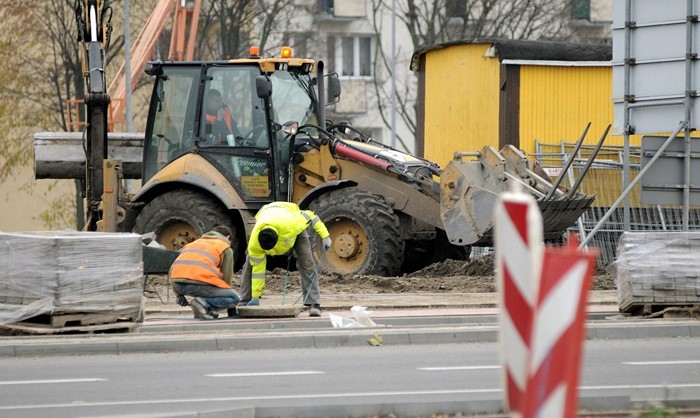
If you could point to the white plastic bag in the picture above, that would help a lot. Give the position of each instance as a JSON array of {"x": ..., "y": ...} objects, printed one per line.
[
  {"x": 362, "y": 319},
  {"x": 363, "y": 316}
]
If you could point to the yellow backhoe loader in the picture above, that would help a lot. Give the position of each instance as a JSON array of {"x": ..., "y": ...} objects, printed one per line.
[{"x": 224, "y": 138}]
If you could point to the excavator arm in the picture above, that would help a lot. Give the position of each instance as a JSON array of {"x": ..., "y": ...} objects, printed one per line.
[{"x": 94, "y": 30}]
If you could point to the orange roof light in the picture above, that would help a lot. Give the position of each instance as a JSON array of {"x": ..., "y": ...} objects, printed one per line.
[
  {"x": 254, "y": 52},
  {"x": 286, "y": 52}
]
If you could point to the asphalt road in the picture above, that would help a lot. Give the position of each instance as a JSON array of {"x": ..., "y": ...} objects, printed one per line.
[{"x": 350, "y": 381}]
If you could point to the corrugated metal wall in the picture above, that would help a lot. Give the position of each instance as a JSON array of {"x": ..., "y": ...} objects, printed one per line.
[
  {"x": 557, "y": 102},
  {"x": 461, "y": 101}
]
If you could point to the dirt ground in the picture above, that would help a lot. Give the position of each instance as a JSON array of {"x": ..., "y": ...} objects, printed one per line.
[
  {"x": 450, "y": 276},
  {"x": 473, "y": 276}
]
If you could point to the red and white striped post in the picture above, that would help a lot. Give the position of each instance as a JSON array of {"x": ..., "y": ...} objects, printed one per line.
[
  {"x": 519, "y": 248},
  {"x": 558, "y": 332}
]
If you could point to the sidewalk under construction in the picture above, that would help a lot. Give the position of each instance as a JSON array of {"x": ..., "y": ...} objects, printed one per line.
[{"x": 430, "y": 319}]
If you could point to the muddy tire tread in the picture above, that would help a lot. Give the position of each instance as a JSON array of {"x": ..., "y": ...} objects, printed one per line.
[
  {"x": 199, "y": 210},
  {"x": 376, "y": 216}
]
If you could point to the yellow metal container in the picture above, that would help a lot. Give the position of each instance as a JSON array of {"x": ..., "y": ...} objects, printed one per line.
[
  {"x": 557, "y": 101},
  {"x": 461, "y": 101},
  {"x": 495, "y": 92}
]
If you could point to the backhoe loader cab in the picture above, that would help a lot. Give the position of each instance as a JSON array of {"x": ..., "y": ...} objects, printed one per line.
[
  {"x": 214, "y": 110},
  {"x": 215, "y": 147}
]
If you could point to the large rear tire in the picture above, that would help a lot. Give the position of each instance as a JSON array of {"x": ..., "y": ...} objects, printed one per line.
[
  {"x": 181, "y": 216},
  {"x": 366, "y": 234}
]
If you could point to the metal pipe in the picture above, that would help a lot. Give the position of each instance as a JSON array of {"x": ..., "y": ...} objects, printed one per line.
[
  {"x": 631, "y": 185},
  {"x": 128, "y": 116},
  {"x": 321, "y": 111},
  {"x": 688, "y": 110},
  {"x": 393, "y": 74},
  {"x": 657, "y": 101},
  {"x": 458, "y": 154},
  {"x": 626, "y": 117},
  {"x": 589, "y": 162},
  {"x": 568, "y": 162}
]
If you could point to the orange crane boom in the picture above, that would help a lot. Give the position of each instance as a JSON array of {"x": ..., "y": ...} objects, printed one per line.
[{"x": 182, "y": 44}]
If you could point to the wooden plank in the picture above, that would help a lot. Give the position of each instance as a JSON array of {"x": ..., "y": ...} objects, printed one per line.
[
  {"x": 648, "y": 308},
  {"x": 61, "y": 321},
  {"x": 44, "y": 329}
]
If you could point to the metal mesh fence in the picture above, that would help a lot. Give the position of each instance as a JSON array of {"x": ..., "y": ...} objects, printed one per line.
[{"x": 605, "y": 181}]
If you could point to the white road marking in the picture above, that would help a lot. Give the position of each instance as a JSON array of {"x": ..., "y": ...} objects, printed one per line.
[
  {"x": 431, "y": 369},
  {"x": 668, "y": 386},
  {"x": 263, "y": 374},
  {"x": 40, "y": 382},
  {"x": 307, "y": 396},
  {"x": 655, "y": 363}
]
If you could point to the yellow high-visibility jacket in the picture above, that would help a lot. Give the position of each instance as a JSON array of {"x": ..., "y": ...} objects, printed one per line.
[{"x": 288, "y": 221}]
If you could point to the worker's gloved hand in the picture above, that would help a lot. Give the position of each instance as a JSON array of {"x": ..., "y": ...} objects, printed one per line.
[
  {"x": 253, "y": 302},
  {"x": 327, "y": 244},
  {"x": 181, "y": 301}
]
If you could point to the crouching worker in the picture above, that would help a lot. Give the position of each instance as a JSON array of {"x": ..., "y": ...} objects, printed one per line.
[
  {"x": 280, "y": 228},
  {"x": 203, "y": 270}
]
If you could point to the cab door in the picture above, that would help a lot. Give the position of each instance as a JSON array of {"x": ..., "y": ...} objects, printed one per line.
[
  {"x": 233, "y": 132},
  {"x": 170, "y": 129}
]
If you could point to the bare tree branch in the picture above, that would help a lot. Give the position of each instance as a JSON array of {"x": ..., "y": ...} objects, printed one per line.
[{"x": 429, "y": 23}]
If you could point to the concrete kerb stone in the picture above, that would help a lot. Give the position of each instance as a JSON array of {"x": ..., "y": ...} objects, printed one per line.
[
  {"x": 167, "y": 329},
  {"x": 309, "y": 338},
  {"x": 654, "y": 330},
  {"x": 491, "y": 405}
]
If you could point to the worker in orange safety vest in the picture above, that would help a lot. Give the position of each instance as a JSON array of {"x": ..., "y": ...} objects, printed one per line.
[
  {"x": 204, "y": 270},
  {"x": 219, "y": 116}
]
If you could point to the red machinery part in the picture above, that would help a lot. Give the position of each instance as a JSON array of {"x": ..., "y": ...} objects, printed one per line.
[{"x": 353, "y": 154}]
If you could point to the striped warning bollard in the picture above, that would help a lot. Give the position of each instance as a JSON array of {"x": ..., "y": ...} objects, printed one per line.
[
  {"x": 518, "y": 248},
  {"x": 558, "y": 331}
]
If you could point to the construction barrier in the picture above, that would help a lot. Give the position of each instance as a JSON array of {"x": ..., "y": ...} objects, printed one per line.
[{"x": 543, "y": 295}]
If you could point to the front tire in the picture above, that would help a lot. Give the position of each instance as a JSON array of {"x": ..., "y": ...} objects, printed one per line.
[
  {"x": 366, "y": 234},
  {"x": 181, "y": 216}
]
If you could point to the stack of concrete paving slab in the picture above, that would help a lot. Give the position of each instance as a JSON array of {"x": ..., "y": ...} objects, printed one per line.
[
  {"x": 658, "y": 269},
  {"x": 70, "y": 278}
]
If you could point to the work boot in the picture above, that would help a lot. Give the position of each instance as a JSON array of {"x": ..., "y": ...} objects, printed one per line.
[
  {"x": 213, "y": 314},
  {"x": 200, "y": 310},
  {"x": 315, "y": 310}
]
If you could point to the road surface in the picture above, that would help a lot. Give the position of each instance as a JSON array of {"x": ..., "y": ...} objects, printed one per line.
[{"x": 140, "y": 384}]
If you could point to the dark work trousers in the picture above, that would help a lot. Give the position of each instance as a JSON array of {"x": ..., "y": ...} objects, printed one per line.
[
  {"x": 305, "y": 265},
  {"x": 215, "y": 298}
]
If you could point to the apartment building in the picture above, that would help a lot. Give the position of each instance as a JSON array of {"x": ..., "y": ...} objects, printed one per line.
[{"x": 370, "y": 48}]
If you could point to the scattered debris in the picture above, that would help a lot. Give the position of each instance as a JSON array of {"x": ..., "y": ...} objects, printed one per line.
[{"x": 376, "y": 340}]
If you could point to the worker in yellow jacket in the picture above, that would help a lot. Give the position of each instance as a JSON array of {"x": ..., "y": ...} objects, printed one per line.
[
  {"x": 280, "y": 228},
  {"x": 204, "y": 270}
]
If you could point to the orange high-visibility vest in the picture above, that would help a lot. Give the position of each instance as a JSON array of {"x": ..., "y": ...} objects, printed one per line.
[
  {"x": 227, "y": 119},
  {"x": 200, "y": 260}
]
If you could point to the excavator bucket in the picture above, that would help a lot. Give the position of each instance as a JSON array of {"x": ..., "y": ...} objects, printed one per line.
[{"x": 469, "y": 192}]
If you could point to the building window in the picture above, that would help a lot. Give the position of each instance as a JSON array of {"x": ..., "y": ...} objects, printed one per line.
[
  {"x": 325, "y": 6},
  {"x": 299, "y": 43},
  {"x": 351, "y": 56},
  {"x": 581, "y": 9}
]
